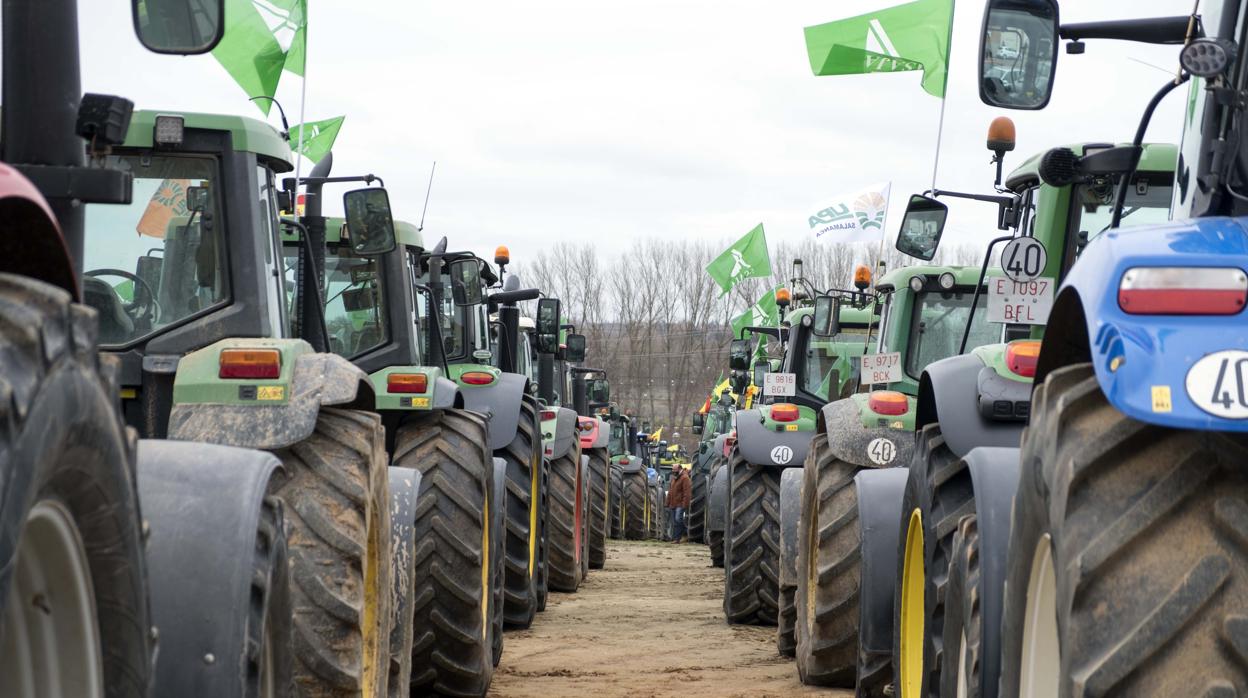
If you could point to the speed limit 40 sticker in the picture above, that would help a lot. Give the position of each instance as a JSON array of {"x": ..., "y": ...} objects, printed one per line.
[
  {"x": 1218, "y": 384},
  {"x": 881, "y": 451}
]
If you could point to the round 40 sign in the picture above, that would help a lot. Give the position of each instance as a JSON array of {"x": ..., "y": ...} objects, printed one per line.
[
  {"x": 781, "y": 455},
  {"x": 1218, "y": 384}
]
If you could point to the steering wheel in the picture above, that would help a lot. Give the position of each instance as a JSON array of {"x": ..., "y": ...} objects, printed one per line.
[{"x": 150, "y": 309}]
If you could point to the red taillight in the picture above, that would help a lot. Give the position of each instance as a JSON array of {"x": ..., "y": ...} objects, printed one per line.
[
  {"x": 1021, "y": 357},
  {"x": 784, "y": 412},
  {"x": 407, "y": 383},
  {"x": 1183, "y": 291},
  {"x": 888, "y": 402},
  {"x": 477, "y": 378},
  {"x": 586, "y": 426},
  {"x": 249, "y": 363},
  {"x": 548, "y": 415}
]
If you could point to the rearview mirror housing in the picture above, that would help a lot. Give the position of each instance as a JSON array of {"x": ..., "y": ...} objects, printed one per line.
[
  {"x": 739, "y": 354},
  {"x": 922, "y": 227},
  {"x": 826, "y": 320},
  {"x": 547, "y": 325},
  {"x": 1018, "y": 53},
  {"x": 466, "y": 281},
  {"x": 182, "y": 27},
  {"x": 369, "y": 221},
  {"x": 760, "y": 372},
  {"x": 575, "y": 351}
]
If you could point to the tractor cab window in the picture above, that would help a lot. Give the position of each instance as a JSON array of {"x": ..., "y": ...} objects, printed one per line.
[
  {"x": 938, "y": 323},
  {"x": 355, "y": 312},
  {"x": 160, "y": 259},
  {"x": 824, "y": 355},
  {"x": 615, "y": 441},
  {"x": 1092, "y": 210},
  {"x": 454, "y": 320}
]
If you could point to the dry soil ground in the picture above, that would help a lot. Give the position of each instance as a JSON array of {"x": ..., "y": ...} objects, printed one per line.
[{"x": 650, "y": 624}]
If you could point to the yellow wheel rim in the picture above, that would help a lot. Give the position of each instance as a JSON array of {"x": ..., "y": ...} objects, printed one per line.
[
  {"x": 485, "y": 569},
  {"x": 912, "y": 630},
  {"x": 535, "y": 474},
  {"x": 372, "y": 597},
  {"x": 1041, "y": 664}
]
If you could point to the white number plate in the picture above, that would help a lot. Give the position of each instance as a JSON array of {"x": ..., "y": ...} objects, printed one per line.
[
  {"x": 881, "y": 368},
  {"x": 780, "y": 384},
  {"x": 1218, "y": 384},
  {"x": 1025, "y": 303}
]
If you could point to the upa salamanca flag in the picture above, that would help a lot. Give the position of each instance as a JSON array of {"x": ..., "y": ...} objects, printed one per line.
[
  {"x": 262, "y": 38},
  {"x": 913, "y": 36},
  {"x": 747, "y": 258},
  {"x": 856, "y": 217}
]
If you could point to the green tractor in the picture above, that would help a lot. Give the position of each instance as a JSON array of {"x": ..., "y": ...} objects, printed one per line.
[
  {"x": 369, "y": 311},
  {"x": 625, "y": 462},
  {"x": 774, "y": 435},
  {"x": 591, "y": 397},
  {"x": 711, "y": 425}
]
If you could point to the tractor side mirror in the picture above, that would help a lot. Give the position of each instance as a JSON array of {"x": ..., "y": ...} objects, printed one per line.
[
  {"x": 760, "y": 372},
  {"x": 181, "y": 27},
  {"x": 1018, "y": 53},
  {"x": 922, "y": 227},
  {"x": 600, "y": 391},
  {"x": 826, "y": 321},
  {"x": 466, "y": 282},
  {"x": 739, "y": 354},
  {"x": 698, "y": 422},
  {"x": 547, "y": 325},
  {"x": 369, "y": 221},
  {"x": 575, "y": 348},
  {"x": 197, "y": 199},
  {"x": 148, "y": 267}
]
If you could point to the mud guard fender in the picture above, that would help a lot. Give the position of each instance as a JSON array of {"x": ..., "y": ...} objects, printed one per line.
[
  {"x": 446, "y": 394},
  {"x": 994, "y": 477},
  {"x": 500, "y": 402},
  {"x": 565, "y": 433},
  {"x": 760, "y": 446},
  {"x": 318, "y": 380},
  {"x": 790, "y": 511},
  {"x": 879, "y": 521},
  {"x": 717, "y": 501},
  {"x": 849, "y": 440},
  {"x": 404, "y": 490},
  {"x": 189, "y": 490},
  {"x": 631, "y": 465},
  {"x": 949, "y": 394}
]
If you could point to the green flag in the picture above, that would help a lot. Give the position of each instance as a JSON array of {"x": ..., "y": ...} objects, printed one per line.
[
  {"x": 318, "y": 137},
  {"x": 764, "y": 313},
  {"x": 263, "y": 37},
  {"x": 913, "y": 36},
  {"x": 746, "y": 258}
]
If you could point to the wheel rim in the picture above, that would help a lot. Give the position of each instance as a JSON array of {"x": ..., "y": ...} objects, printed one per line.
[
  {"x": 372, "y": 598},
  {"x": 912, "y": 581},
  {"x": 51, "y": 642},
  {"x": 535, "y": 474},
  {"x": 963, "y": 690},
  {"x": 811, "y": 529},
  {"x": 268, "y": 677},
  {"x": 577, "y": 522},
  {"x": 1041, "y": 660}
]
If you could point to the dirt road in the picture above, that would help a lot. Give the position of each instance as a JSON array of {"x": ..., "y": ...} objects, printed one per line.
[{"x": 650, "y": 624}]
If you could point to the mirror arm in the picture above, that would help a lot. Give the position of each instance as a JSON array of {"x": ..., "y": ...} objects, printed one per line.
[
  {"x": 1005, "y": 204},
  {"x": 434, "y": 329},
  {"x": 983, "y": 272},
  {"x": 309, "y": 276},
  {"x": 1150, "y": 30}
]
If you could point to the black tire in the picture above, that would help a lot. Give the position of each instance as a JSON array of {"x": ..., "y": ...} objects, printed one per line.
[
  {"x": 939, "y": 487},
  {"x": 716, "y": 542},
  {"x": 1148, "y": 546},
  {"x": 963, "y": 621},
  {"x": 336, "y": 498},
  {"x": 564, "y": 522},
  {"x": 452, "y": 647},
  {"x": 829, "y": 553},
  {"x": 695, "y": 518},
  {"x": 615, "y": 498},
  {"x": 752, "y": 543},
  {"x": 584, "y": 506},
  {"x": 790, "y": 509},
  {"x": 599, "y": 511},
  {"x": 404, "y": 494},
  {"x": 498, "y": 536},
  {"x": 658, "y": 513},
  {"x": 635, "y": 505},
  {"x": 524, "y": 460},
  {"x": 62, "y": 442},
  {"x": 543, "y": 543}
]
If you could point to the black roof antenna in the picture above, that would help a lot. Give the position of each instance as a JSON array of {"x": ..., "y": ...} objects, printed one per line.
[
  {"x": 427, "y": 192},
  {"x": 285, "y": 123}
]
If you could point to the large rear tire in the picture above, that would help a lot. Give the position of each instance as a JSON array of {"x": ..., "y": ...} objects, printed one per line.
[
  {"x": 790, "y": 509},
  {"x": 69, "y": 512},
  {"x": 695, "y": 518},
  {"x": 752, "y": 543},
  {"x": 716, "y": 542},
  {"x": 615, "y": 499},
  {"x": 1128, "y": 567},
  {"x": 635, "y": 505},
  {"x": 335, "y": 490},
  {"x": 963, "y": 631},
  {"x": 599, "y": 510},
  {"x": 404, "y": 494},
  {"x": 563, "y": 522},
  {"x": 523, "y": 506},
  {"x": 453, "y": 645},
  {"x": 938, "y": 493},
  {"x": 829, "y": 569}
]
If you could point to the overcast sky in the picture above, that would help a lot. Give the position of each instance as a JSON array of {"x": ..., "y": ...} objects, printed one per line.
[{"x": 653, "y": 118}]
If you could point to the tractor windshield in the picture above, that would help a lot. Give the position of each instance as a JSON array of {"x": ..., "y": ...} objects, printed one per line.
[
  {"x": 453, "y": 321},
  {"x": 615, "y": 442},
  {"x": 355, "y": 312},
  {"x": 1148, "y": 202},
  {"x": 160, "y": 259},
  {"x": 827, "y": 355},
  {"x": 938, "y": 323}
]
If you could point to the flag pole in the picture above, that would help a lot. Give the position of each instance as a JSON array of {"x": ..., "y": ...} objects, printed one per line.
[
  {"x": 303, "y": 102},
  {"x": 944, "y": 92}
]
